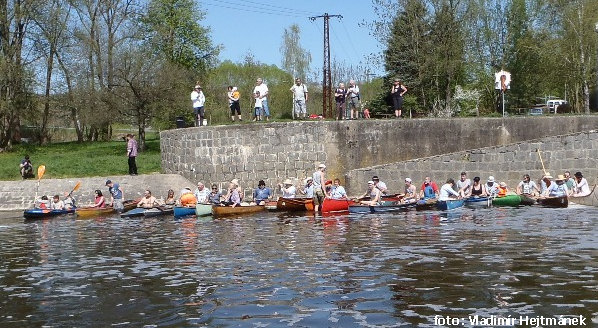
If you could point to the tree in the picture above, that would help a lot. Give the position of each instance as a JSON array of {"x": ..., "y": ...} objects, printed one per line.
[{"x": 295, "y": 59}]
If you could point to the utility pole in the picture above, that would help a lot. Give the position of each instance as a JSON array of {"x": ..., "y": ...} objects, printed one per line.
[{"x": 327, "y": 109}]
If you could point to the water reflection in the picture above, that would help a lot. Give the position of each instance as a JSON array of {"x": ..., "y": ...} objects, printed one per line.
[{"x": 287, "y": 269}]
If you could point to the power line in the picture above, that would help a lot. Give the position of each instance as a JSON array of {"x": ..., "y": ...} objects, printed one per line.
[{"x": 257, "y": 8}]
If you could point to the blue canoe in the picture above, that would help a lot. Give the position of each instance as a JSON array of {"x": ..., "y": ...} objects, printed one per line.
[
  {"x": 477, "y": 201},
  {"x": 38, "y": 213},
  {"x": 444, "y": 205},
  {"x": 136, "y": 212},
  {"x": 180, "y": 211}
]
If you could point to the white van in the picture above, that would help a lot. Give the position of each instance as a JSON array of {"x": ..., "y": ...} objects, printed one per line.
[{"x": 553, "y": 104}]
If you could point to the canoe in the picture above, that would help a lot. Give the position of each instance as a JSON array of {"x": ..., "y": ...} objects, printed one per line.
[
  {"x": 180, "y": 211},
  {"x": 562, "y": 201},
  {"x": 295, "y": 204},
  {"x": 527, "y": 201},
  {"x": 158, "y": 211},
  {"x": 336, "y": 205},
  {"x": 396, "y": 206},
  {"x": 38, "y": 213},
  {"x": 91, "y": 212},
  {"x": 224, "y": 211},
  {"x": 589, "y": 200},
  {"x": 426, "y": 204},
  {"x": 508, "y": 200},
  {"x": 477, "y": 201},
  {"x": 203, "y": 209},
  {"x": 447, "y": 205},
  {"x": 136, "y": 212},
  {"x": 271, "y": 206}
]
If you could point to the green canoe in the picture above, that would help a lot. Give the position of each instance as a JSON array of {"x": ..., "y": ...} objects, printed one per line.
[{"x": 508, "y": 200}]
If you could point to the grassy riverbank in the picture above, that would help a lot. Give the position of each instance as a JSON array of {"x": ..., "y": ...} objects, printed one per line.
[{"x": 72, "y": 159}]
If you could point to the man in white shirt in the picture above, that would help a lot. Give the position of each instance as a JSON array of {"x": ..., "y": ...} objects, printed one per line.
[
  {"x": 581, "y": 187},
  {"x": 447, "y": 192},
  {"x": 262, "y": 88},
  {"x": 198, "y": 100},
  {"x": 299, "y": 91},
  {"x": 464, "y": 185},
  {"x": 201, "y": 193},
  {"x": 353, "y": 95}
]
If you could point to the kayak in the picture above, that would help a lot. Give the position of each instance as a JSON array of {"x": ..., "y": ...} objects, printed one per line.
[
  {"x": 39, "y": 213},
  {"x": 203, "y": 209},
  {"x": 447, "y": 205},
  {"x": 562, "y": 201},
  {"x": 508, "y": 200},
  {"x": 136, "y": 212},
  {"x": 224, "y": 211},
  {"x": 295, "y": 204},
  {"x": 386, "y": 207},
  {"x": 180, "y": 211},
  {"x": 91, "y": 212},
  {"x": 336, "y": 205},
  {"x": 158, "y": 211},
  {"x": 477, "y": 201}
]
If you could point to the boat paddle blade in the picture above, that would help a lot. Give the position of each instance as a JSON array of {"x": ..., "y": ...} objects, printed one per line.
[{"x": 40, "y": 171}]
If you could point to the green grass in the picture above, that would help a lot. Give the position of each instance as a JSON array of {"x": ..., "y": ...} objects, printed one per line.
[{"x": 73, "y": 160}]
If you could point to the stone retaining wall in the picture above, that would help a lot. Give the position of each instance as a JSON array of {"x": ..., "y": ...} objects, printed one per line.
[
  {"x": 572, "y": 152},
  {"x": 275, "y": 151},
  {"x": 19, "y": 195}
]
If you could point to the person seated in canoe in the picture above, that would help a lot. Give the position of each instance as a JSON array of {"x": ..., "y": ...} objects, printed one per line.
[
  {"x": 68, "y": 200},
  {"x": 215, "y": 197},
  {"x": 308, "y": 188},
  {"x": 464, "y": 185},
  {"x": 581, "y": 187},
  {"x": 201, "y": 193},
  {"x": 429, "y": 189},
  {"x": 502, "y": 189},
  {"x": 569, "y": 181},
  {"x": 261, "y": 194},
  {"x": 380, "y": 185},
  {"x": 477, "y": 189},
  {"x": 56, "y": 203},
  {"x": 26, "y": 168},
  {"x": 447, "y": 192},
  {"x": 527, "y": 187},
  {"x": 337, "y": 191},
  {"x": 170, "y": 198},
  {"x": 374, "y": 193},
  {"x": 410, "y": 195},
  {"x": 287, "y": 189},
  {"x": 233, "y": 197},
  {"x": 99, "y": 200},
  {"x": 148, "y": 201},
  {"x": 44, "y": 202},
  {"x": 557, "y": 189},
  {"x": 187, "y": 198},
  {"x": 491, "y": 187},
  {"x": 545, "y": 183}
]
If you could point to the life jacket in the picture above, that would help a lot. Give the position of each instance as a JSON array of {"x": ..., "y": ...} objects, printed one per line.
[
  {"x": 502, "y": 192},
  {"x": 188, "y": 199}
]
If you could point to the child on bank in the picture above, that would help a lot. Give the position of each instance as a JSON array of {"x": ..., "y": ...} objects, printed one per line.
[{"x": 258, "y": 107}]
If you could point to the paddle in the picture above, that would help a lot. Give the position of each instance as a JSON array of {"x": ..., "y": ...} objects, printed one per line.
[
  {"x": 541, "y": 161},
  {"x": 40, "y": 173},
  {"x": 75, "y": 188}
]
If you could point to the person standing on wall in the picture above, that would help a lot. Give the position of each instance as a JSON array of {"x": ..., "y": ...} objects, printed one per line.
[
  {"x": 299, "y": 91},
  {"x": 198, "y": 99},
  {"x": 132, "y": 153},
  {"x": 396, "y": 92},
  {"x": 233, "y": 101},
  {"x": 354, "y": 98},
  {"x": 262, "y": 88},
  {"x": 340, "y": 95}
]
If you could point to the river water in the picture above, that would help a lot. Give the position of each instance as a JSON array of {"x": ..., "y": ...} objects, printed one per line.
[{"x": 278, "y": 270}]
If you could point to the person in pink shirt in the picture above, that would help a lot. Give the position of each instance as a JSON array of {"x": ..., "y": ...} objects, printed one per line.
[{"x": 132, "y": 153}]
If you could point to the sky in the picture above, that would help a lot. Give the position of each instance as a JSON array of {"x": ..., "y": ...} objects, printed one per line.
[{"x": 257, "y": 26}]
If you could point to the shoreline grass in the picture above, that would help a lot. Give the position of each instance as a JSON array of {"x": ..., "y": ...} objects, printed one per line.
[{"x": 75, "y": 160}]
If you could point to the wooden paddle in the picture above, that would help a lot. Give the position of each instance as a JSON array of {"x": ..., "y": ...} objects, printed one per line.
[
  {"x": 40, "y": 173},
  {"x": 76, "y": 187},
  {"x": 541, "y": 161}
]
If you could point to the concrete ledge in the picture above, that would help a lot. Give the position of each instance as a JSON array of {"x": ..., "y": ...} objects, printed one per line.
[{"x": 19, "y": 195}]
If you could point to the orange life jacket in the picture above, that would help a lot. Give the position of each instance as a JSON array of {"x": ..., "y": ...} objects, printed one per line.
[{"x": 188, "y": 199}]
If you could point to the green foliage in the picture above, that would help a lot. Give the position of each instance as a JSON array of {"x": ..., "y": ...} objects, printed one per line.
[
  {"x": 295, "y": 59},
  {"x": 92, "y": 159}
]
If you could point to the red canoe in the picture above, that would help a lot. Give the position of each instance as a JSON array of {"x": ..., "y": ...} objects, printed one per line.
[{"x": 336, "y": 205}]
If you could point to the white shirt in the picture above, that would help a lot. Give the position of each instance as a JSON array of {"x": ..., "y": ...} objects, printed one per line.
[
  {"x": 198, "y": 99},
  {"x": 202, "y": 195},
  {"x": 259, "y": 102},
  {"x": 299, "y": 91},
  {"x": 289, "y": 192},
  {"x": 582, "y": 188},
  {"x": 263, "y": 90},
  {"x": 382, "y": 187},
  {"x": 446, "y": 191},
  {"x": 465, "y": 185},
  {"x": 57, "y": 206},
  {"x": 353, "y": 91},
  {"x": 338, "y": 192}
]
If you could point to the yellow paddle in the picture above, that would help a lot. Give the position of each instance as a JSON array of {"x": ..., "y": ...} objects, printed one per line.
[
  {"x": 76, "y": 187},
  {"x": 40, "y": 173},
  {"x": 541, "y": 161}
]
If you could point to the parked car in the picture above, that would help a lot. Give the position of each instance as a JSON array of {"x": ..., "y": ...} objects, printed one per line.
[
  {"x": 553, "y": 105},
  {"x": 536, "y": 111}
]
